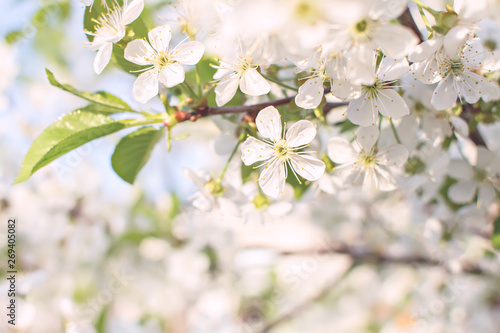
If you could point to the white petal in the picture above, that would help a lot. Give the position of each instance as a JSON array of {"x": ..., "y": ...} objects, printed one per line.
[
  {"x": 268, "y": 123},
  {"x": 272, "y": 179},
  {"x": 188, "y": 53},
  {"x": 362, "y": 112},
  {"x": 454, "y": 41},
  {"x": 131, "y": 11},
  {"x": 391, "y": 104},
  {"x": 393, "y": 155},
  {"x": 426, "y": 49},
  {"x": 172, "y": 75},
  {"x": 485, "y": 195},
  {"x": 310, "y": 93},
  {"x": 308, "y": 167},
  {"x": 341, "y": 151},
  {"x": 460, "y": 169},
  {"x": 139, "y": 52},
  {"x": 393, "y": 69},
  {"x": 361, "y": 65},
  {"x": 300, "y": 133},
  {"x": 253, "y": 150},
  {"x": 367, "y": 136},
  {"x": 462, "y": 192},
  {"x": 102, "y": 57},
  {"x": 254, "y": 84},
  {"x": 444, "y": 95},
  {"x": 460, "y": 125},
  {"x": 484, "y": 157},
  {"x": 469, "y": 86},
  {"x": 395, "y": 40},
  {"x": 159, "y": 37},
  {"x": 146, "y": 86},
  {"x": 226, "y": 89}
]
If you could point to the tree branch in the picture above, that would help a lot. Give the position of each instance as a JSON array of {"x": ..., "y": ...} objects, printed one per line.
[
  {"x": 364, "y": 255},
  {"x": 205, "y": 111}
]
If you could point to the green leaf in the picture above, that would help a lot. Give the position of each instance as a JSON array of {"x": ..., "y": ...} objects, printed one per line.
[
  {"x": 133, "y": 151},
  {"x": 69, "y": 132},
  {"x": 103, "y": 109},
  {"x": 100, "y": 97},
  {"x": 495, "y": 237}
]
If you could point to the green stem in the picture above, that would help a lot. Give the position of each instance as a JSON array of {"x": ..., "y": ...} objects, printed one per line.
[
  {"x": 279, "y": 82},
  {"x": 198, "y": 79},
  {"x": 426, "y": 21},
  {"x": 240, "y": 139},
  {"x": 394, "y": 131},
  {"x": 426, "y": 7},
  {"x": 190, "y": 92},
  {"x": 155, "y": 119}
]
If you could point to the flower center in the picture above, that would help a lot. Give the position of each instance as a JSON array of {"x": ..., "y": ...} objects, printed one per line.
[
  {"x": 162, "y": 59},
  {"x": 454, "y": 67},
  {"x": 480, "y": 175},
  {"x": 245, "y": 64},
  {"x": 366, "y": 159},
  {"x": 372, "y": 90},
  {"x": 307, "y": 12},
  {"x": 364, "y": 30},
  {"x": 281, "y": 150}
]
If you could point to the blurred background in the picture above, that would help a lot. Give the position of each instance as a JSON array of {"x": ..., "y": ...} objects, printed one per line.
[{"x": 96, "y": 254}]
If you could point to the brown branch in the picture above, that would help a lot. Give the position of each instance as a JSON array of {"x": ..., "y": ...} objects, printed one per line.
[
  {"x": 205, "y": 111},
  {"x": 364, "y": 255}
]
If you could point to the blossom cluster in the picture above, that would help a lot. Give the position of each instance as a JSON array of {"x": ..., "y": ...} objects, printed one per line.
[{"x": 355, "y": 53}]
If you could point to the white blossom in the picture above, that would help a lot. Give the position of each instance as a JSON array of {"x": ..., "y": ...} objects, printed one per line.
[
  {"x": 165, "y": 63},
  {"x": 110, "y": 28},
  {"x": 281, "y": 150}
]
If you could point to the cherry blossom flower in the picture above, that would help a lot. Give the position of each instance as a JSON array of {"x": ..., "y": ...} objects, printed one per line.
[
  {"x": 332, "y": 68},
  {"x": 110, "y": 28},
  {"x": 476, "y": 178},
  {"x": 364, "y": 164},
  {"x": 457, "y": 70},
  {"x": 165, "y": 63},
  {"x": 242, "y": 72},
  {"x": 281, "y": 150},
  {"x": 380, "y": 97}
]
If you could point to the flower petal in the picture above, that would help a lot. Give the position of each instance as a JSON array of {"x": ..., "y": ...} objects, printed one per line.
[
  {"x": 454, "y": 41},
  {"x": 460, "y": 169},
  {"x": 272, "y": 179},
  {"x": 393, "y": 155},
  {"x": 462, "y": 192},
  {"x": 341, "y": 151},
  {"x": 307, "y": 166},
  {"x": 268, "y": 123},
  {"x": 132, "y": 11},
  {"x": 392, "y": 69},
  {"x": 189, "y": 53},
  {"x": 226, "y": 89},
  {"x": 390, "y": 104},
  {"x": 300, "y": 133},
  {"x": 444, "y": 95},
  {"x": 254, "y": 84},
  {"x": 367, "y": 136},
  {"x": 172, "y": 75},
  {"x": 310, "y": 93},
  {"x": 362, "y": 112},
  {"x": 485, "y": 195},
  {"x": 395, "y": 40},
  {"x": 426, "y": 49},
  {"x": 253, "y": 150},
  {"x": 146, "y": 86},
  {"x": 159, "y": 37},
  {"x": 102, "y": 57},
  {"x": 139, "y": 52}
]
